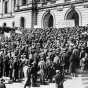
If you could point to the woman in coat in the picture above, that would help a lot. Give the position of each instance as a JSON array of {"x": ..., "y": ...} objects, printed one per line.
[{"x": 74, "y": 62}]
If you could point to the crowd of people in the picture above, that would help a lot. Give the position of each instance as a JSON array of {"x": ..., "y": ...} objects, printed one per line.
[{"x": 41, "y": 53}]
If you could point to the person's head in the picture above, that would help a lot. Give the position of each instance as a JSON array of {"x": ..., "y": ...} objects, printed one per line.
[
  {"x": 41, "y": 58},
  {"x": 57, "y": 52},
  {"x": 47, "y": 58},
  {"x": 21, "y": 56},
  {"x": 67, "y": 45},
  {"x": 57, "y": 71}
]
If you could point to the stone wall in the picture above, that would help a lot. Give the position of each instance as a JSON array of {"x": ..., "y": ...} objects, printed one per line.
[
  {"x": 59, "y": 14},
  {"x": 27, "y": 16}
]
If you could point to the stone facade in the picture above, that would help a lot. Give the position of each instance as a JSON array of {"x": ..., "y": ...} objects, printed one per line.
[{"x": 53, "y": 13}]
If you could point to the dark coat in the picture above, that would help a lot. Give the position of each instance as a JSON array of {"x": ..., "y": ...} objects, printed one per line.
[
  {"x": 82, "y": 54},
  {"x": 74, "y": 61},
  {"x": 16, "y": 68},
  {"x": 59, "y": 80},
  {"x": 2, "y": 85},
  {"x": 66, "y": 57}
]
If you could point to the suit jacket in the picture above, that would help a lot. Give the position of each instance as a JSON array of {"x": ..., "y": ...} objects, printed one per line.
[
  {"x": 2, "y": 85},
  {"x": 59, "y": 78}
]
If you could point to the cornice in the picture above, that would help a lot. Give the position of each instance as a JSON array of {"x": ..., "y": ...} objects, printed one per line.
[
  {"x": 6, "y": 17},
  {"x": 25, "y": 9},
  {"x": 63, "y": 4},
  {"x": 79, "y": 3}
]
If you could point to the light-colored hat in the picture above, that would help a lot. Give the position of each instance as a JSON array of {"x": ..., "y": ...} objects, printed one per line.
[
  {"x": 47, "y": 57},
  {"x": 57, "y": 71}
]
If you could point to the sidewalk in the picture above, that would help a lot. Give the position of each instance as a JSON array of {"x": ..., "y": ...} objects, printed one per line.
[{"x": 81, "y": 81}]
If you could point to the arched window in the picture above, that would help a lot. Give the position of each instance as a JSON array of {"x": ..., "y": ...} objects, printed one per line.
[
  {"x": 24, "y": 2},
  {"x": 48, "y": 21},
  {"x": 22, "y": 22},
  {"x": 73, "y": 15},
  {"x": 6, "y": 7}
]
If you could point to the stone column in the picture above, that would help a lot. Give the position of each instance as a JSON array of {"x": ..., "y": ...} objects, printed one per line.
[
  {"x": 34, "y": 13},
  {"x": 17, "y": 4},
  {"x": 2, "y": 7}
]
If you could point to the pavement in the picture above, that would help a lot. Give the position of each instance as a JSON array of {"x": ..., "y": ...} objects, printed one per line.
[{"x": 81, "y": 81}]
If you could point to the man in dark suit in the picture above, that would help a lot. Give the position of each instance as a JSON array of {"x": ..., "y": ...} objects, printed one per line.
[
  {"x": 6, "y": 66},
  {"x": 1, "y": 66},
  {"x": 2, "y": 85},
  {"x": 59, "y": 79}
]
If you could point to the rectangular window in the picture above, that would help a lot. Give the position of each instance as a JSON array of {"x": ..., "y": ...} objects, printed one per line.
[{"x": 6, "y": 7}]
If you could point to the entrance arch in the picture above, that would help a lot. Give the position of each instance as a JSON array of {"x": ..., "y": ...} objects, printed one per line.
[
  {"x": 73, "y": 15},
  {"x": 48, "y": 21}
]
